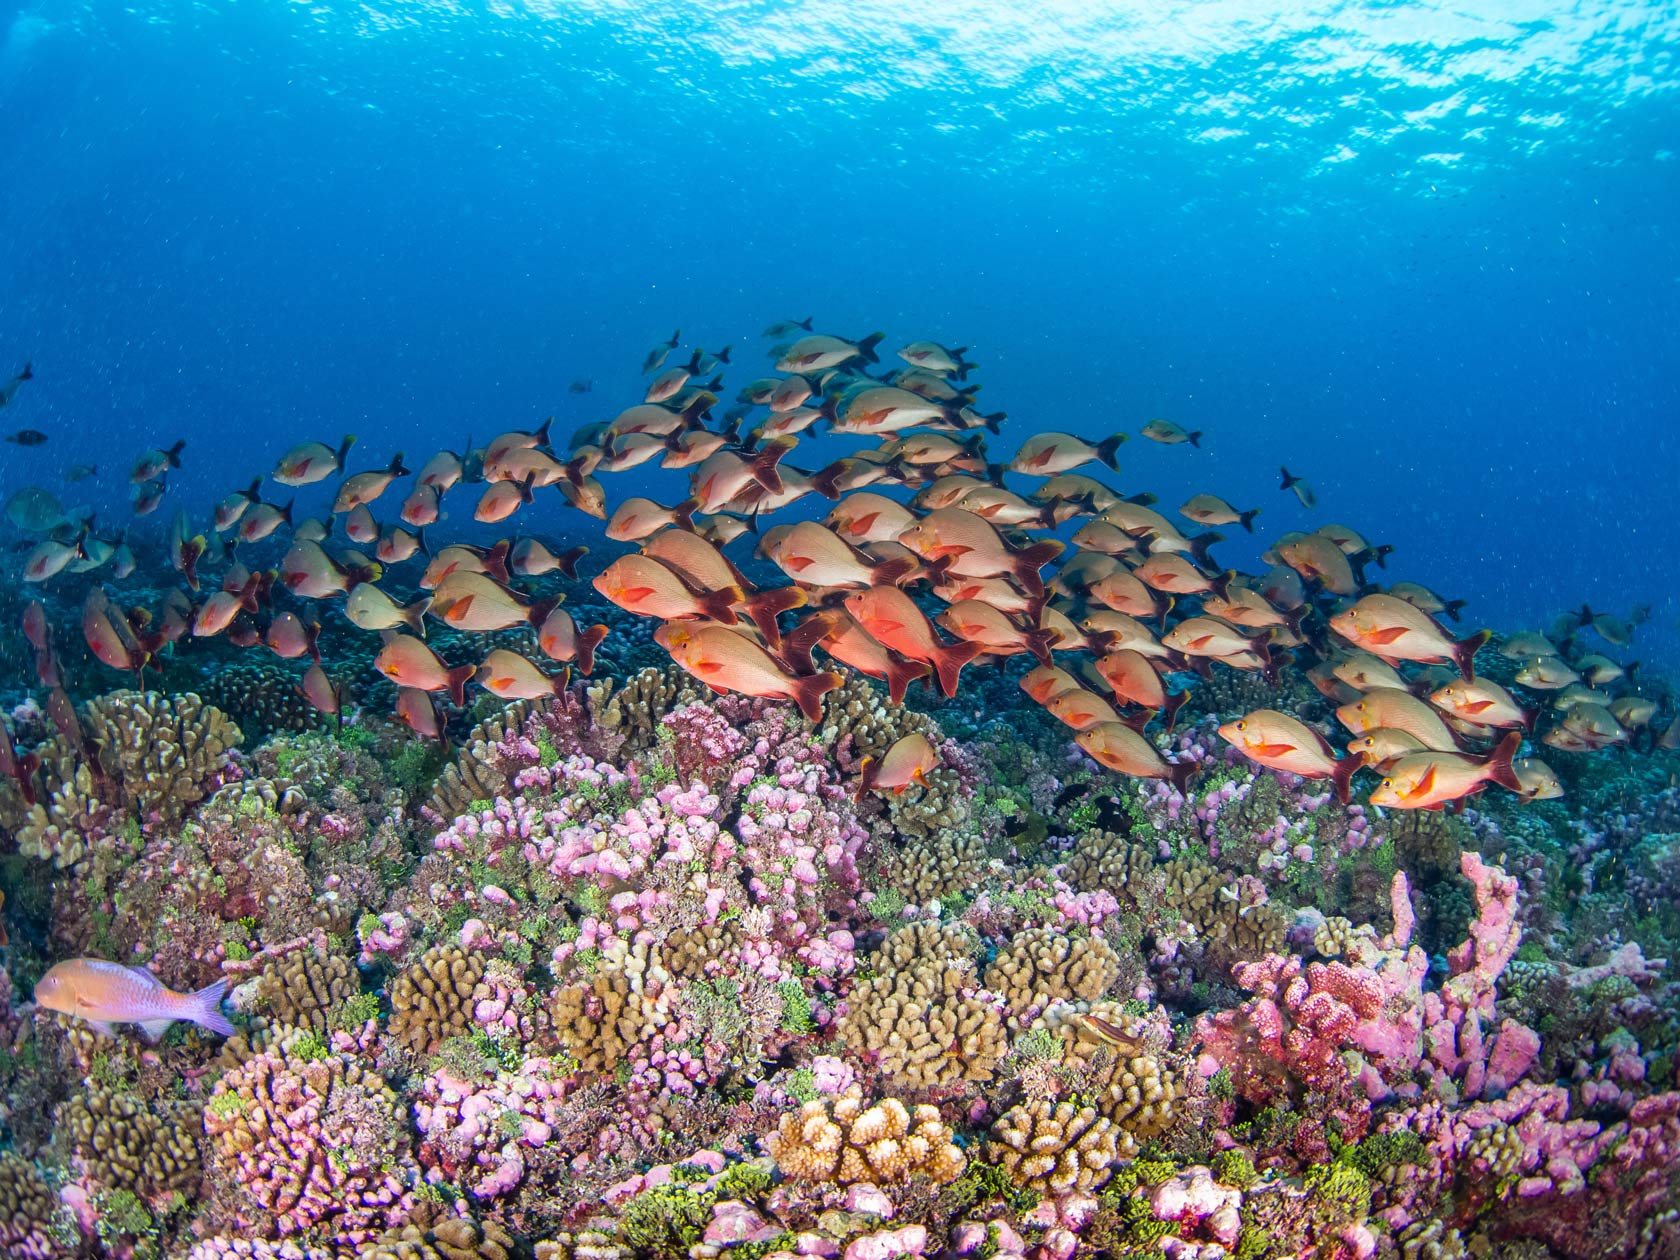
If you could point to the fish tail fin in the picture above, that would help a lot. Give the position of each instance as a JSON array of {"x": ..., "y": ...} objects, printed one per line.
[
  {"x": 344, "y": 446},
  {"x": 866, "y": 347},
  {"x": 805, "y": 323},
  {"x": 682, "y": 515},
  {"x": 1464, "y": 652},
  {"x": 1342, "y": 776},
  {"x": 1247, "y": 518},
  {"x": 1529, "y": 718},
  {"x": 1627, "y": 671},
  {"x": 993, "y": 420},
  {"x": 1179, "y": 773},
  {"x": 1029, "y": 560},
  {"x": 312, "y": 637},
  {"x": 764, "y": 607},
  {"x": 800, "y": 642},
  {"x": 496, "y": 560},
  {"x": 1499, "y": 767},
  {"x": 372, "y": 571},
  {"x": 964, "y": 366},
  {"x": 525, "y": 494},
  {"x": 254, "y": 492},
  {"x": 1289, "y": 479},
  {"x": 1038, "y": 643},
  {"x": 459, "y": 677},
  {"x": 893, "y": 570},
  {"x": 825, "y": 481},
  {"x": 694, "y": 415},
  {"x": 568, "y": 560},
  {"x": 809, "y": 691},
  {"x": 539, "y": 610},
  {"x": 1295, "y": 617},
  {"x": 286, "y": 512},
  {"x": 28, "y": 373},
  {"x": 205, "y": 1009},
  {"x": 1107, "y": 448},
  {"x": 1381, "y": 552},
  {"x": 995, "y": 474},
  {"x": 867, "y": 775},
  {"x": 719, "y": 606},
  {"x": 1175, "y": 701},
  {"x": 1138, "y": 720},
  {"x": 542, "y": 431},
  {"x": 560, "y": 682},
  {"x": 722, "y": 356},
  {"x": 900, "y": 674},
  {"x": 420, "y": 538},
  {"x": 587, "y": 641},
  {"x": 692, "y": 367},
  {"x": 173, "y": 454},
  {"x": 1454, "y": 608},
  {"x": 1142, "y": 499},
  {"x": 949, "y": 662},
  {"x": 762, "y": 466},
  {"x": 1195, "y": 436},
  {"x": 395, "y": 467},
  {"x": 1199, "y": 548},
  {"x": 415, "y": 615}
]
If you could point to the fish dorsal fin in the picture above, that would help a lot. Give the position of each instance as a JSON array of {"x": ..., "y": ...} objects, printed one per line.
[{"x": 145, "y": 977}]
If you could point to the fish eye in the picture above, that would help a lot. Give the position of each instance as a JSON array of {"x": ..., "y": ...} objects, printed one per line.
[
  {"x": 1242, "y": 726},
  {"x": 1388, "y": 783}
]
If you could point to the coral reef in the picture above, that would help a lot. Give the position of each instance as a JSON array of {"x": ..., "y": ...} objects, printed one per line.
[{"x": 637, "y": 972}]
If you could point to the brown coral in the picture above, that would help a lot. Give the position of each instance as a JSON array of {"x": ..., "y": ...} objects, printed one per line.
[
  {"x": 629, "y": 996},
  {"x": 860, "y": 721},
  {"x": 124, "y": 1143},
  {"x": 921, "y": 1019},
  {"x": 1498, "y": 1148},
  {"x": 474, "y": 775},
  {"x": 1054, "y": 1148},
  {"x": 446, "y": 1238},
  {"x": 923, "y": 868},
  {"x": 304, "y": 989},
  {"x": 148, "y": 756},
  {"x": 1042, "y": 966},
  {"x": 840, "y": 1140},
  {"x": 432, "y": 1000},
  {"x": 33, "y": 1223},
  {"x": 1119, "y": 1062},
  {"x": 263, "y": 697},
  {"x": 634, "y": 711}
]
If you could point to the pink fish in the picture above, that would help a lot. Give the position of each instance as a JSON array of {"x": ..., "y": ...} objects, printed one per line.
[{"x": 106, "y": 993}]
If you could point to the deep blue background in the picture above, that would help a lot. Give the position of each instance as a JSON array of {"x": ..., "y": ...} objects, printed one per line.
[{"x": 1431, "y": 265}]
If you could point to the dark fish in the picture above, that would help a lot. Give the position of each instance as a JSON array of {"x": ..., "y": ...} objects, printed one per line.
[
  {"x": 9, "y": 390},
  {"x": 27, "y": 437},
  {"x": 81, "y": 472},
  {"x": 582, "y": 386},
  {"x": 1302, "y": 490},
  {"x": 155, "y": 463}
]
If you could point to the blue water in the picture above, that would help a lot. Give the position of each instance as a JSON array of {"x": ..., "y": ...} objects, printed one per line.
[{"x": 1427, "y": 259}]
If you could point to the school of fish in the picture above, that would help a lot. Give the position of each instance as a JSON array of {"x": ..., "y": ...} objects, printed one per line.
[{"x": 932, "y": 554}]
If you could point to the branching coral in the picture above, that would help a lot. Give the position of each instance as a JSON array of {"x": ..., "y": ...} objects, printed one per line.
[
  {"x": 312, "y": 1136},
  {"x": 1054, "y": 1147},
  {"x": 33, "y": 1224},
  {"x": 432, "y": 1000},
  {"x": 306, "y": 989},
  {"x": 841, "y": 1140},
  {"x": 1042, "y": 966},
  {"x": 923, "y": 1019},
  {"x": 476, "y": 773},
  {"x": 121, "y": 1142}
]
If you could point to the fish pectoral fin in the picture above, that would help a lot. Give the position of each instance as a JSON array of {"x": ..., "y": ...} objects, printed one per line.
[
  {"x": 1271, "y": 750},
  {"x": 949, "y": 550},
  {"x": 102, "y": 1027},
  {"x": 708, "y": 667},
  {"x": 1385, "y": 637},
  {"x": 1476, "y": 706},
  {"x": 1424, "y": 785},
  {"x": 636, "y": 593},
  {"x": 155, "y": 1028}
]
